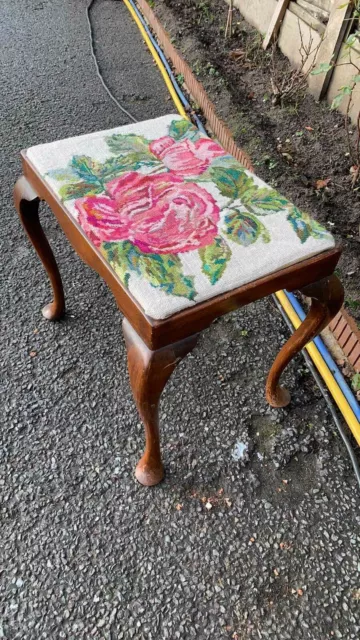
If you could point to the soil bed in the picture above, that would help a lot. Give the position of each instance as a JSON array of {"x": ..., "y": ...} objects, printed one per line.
[{"x": 299, "y": 148}]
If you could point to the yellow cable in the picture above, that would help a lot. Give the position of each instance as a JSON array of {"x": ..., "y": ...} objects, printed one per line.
[
  {"x": 324, "y": 370},
  {"x": 312, "y": 349},
  {"x": 157, "y": 59}
]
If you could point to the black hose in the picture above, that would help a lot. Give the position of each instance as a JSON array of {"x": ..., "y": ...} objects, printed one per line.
[
  {"x": 325, "y": 394},
  {"x": 91, "y": 33}
]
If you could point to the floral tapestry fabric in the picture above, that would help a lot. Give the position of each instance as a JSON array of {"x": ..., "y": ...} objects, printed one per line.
[{"x": 178, "y": 219}]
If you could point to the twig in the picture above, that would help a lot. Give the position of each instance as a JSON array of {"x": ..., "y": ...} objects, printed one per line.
[
  {"x": 347, "y": 129},
  {"x": 228, "y": 29},
  {"x": 294, "y": 80}
]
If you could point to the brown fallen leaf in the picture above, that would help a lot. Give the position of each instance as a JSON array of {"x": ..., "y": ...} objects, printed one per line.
[
  {"x": 237, "y": 54},
  {"x": 309, "y": 129},
  {"x": 178, "y": 507},
  {"x": 300, "y": 592},
  {"x": 32, "y": 354},
  {"x": 321, "y": 184}
]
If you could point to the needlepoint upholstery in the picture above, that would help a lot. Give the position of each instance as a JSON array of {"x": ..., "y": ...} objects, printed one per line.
[{"x": 177, "y": 218}]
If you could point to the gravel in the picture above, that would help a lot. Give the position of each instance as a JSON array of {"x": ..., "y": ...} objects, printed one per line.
[{"x": 255, "y": 531}]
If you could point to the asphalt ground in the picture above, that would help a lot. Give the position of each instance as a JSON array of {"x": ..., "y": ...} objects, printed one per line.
[{"x": 255, "y": 531}]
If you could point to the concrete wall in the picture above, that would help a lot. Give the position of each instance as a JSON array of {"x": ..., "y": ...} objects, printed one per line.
[
  {"x": 259, "y": 13},
  {"x": 294, "y": 31}
]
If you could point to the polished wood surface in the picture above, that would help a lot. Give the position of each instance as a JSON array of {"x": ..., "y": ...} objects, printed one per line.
[
  {"x": 327, "y": 297},
  {"x": 149, "y": 372},
  {"x": 156, "y": 346}
]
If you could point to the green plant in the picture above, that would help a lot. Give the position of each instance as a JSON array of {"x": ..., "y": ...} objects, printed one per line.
[
  {"x": 355, "y": 382},
  {"x": 352, "y": 304},
  {"x": 205, "y": 12}
]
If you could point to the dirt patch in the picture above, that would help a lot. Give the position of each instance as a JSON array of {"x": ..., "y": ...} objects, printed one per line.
[{"x": 299, "y": 148}]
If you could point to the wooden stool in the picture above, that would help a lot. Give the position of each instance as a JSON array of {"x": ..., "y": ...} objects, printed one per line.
[{"x": 182, "y": 234}]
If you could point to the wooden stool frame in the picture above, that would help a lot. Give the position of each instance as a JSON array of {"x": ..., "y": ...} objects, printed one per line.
[{"x": 155, "y": 347}]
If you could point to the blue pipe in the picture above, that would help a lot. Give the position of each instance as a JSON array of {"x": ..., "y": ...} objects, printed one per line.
[
  {"x": 328, "y": 359},
  {"x": 183, "y": 99}
]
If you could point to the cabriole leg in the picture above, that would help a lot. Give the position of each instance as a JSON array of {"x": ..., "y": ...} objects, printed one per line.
[
  {"x": 27, "y": 206},
  {"x": 327, "y": 296},
  {"x": 149, "y": 372}
]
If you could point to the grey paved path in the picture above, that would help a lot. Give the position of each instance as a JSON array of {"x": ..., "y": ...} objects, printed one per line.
[{"x": 86, "y": 553}]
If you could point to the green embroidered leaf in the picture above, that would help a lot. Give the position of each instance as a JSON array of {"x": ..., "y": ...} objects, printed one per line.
[
  {"x": 79, "y": 190},
  {"x": 118, "y": 254},
  {"x": 318, "y": 231},
  {"x": 264, "y": 201},
  {"x": 214, "y": 259},
  {"x": 165, "y": 272},
  {"x": 86, "y": 168},
  {"x": 304, "y": 226},
  {"x": 114, "y": 167},
  {"x": 244, "y": 228},
  {"x": 161, "y": 271},
  {"x": 222, "y": 162},
  {"x": 226, "y": 162},
  {"x": 63, "y": 175},
  {"x": 232, "y": 182},
  {"x": 129, "y": 143},
  {"x": 299, "y": 225},
  {"x": 182, "y": 128}
]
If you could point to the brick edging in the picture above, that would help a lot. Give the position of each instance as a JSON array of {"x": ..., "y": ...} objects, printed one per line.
[{"x": 347, "y": 335}]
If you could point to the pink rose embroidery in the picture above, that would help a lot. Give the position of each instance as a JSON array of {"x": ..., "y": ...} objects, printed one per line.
[
  {"x": 159, "y": 213},
  {"x": 186, "y": 158}
]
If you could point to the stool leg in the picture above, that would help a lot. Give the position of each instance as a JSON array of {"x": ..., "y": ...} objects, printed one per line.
[
  {"x": 327, "y": 297},
  {"x": 27, "y": 205},
  {"x": 149, "y": 372}
]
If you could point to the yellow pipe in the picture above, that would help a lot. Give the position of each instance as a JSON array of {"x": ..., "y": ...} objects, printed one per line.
[
  {"x": 324, "y": 370},
  {"x": 157, "y": 59},
  {"x": 312, "y": 349}
]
